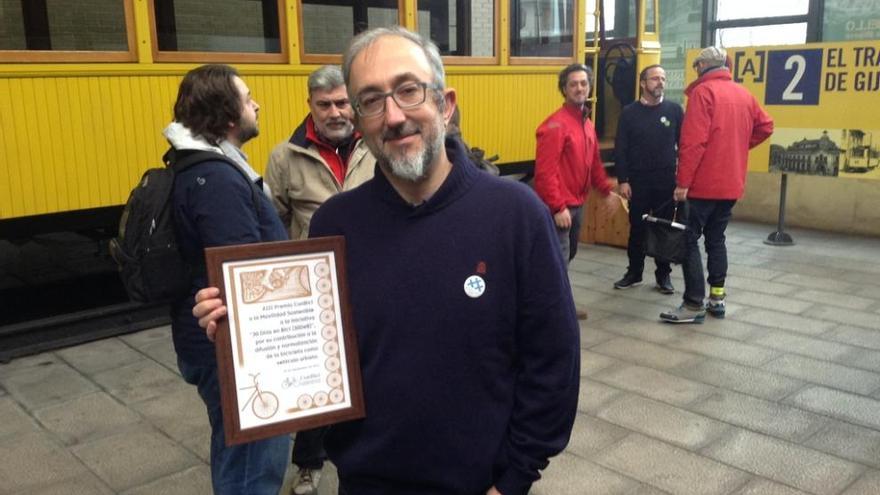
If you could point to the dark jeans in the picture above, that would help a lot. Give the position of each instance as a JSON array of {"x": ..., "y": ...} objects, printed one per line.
[
  {"x": 656, "y": 200},
  {"x": 706, "y": 217},
  {"x": 254, "y": 468},
  {"x": 308, "y": 449},
  {"x": 568, "y": 238}
]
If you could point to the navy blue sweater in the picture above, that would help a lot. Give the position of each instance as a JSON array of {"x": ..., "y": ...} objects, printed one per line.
[
  {"x": 213, "y": 206},
  {"x": 646, "y": 144},
  {"x": 461, "y": 393}
]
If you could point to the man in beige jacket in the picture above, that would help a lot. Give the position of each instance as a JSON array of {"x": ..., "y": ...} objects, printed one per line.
[{"x": 324, "y": 156}]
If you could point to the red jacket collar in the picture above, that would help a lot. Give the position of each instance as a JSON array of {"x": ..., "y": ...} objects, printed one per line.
[
  {"x": 576, "y": 111},
  {"x": 721, "y": 74},
  {"x": 313, "y": 136}
]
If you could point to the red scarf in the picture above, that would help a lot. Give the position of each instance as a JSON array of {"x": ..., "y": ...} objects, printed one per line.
[{"x": 336, "y": 158}]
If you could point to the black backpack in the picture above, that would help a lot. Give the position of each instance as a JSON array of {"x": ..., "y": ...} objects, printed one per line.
[
  {"x": 150, "y": 264},
  {"x": 478, "y": 156}
]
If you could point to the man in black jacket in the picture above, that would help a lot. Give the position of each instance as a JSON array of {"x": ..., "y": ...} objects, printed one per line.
[
  {"x": 646, "y": 149},
  {"x": 215, "y": 205}
]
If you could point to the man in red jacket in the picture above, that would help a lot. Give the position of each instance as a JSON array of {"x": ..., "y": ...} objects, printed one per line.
[
  {"x": 722, "y": 123},
  {"x": 567, "y": 162}
]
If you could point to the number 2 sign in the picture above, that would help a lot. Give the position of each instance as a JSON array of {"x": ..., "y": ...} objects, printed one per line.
[{"x": 793, "y": 77}]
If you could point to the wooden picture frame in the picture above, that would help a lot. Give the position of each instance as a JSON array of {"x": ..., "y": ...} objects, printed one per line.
[{"x": 287, "y": 353}]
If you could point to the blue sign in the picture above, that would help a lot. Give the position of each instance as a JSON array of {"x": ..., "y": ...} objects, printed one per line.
[{"x": 793, "y": 77}]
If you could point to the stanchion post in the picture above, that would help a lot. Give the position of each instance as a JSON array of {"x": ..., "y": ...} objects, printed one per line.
[{"x": 780, "y": 238}]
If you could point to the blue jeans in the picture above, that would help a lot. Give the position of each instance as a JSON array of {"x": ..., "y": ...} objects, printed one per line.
[
  {"x": 709, "y": 218},
  {"x": 568, "y": 238},
  {"x": 254, "y": 468}
]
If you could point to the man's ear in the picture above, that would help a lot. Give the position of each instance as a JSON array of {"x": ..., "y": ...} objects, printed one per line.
[{"x": 450, "y": 101}]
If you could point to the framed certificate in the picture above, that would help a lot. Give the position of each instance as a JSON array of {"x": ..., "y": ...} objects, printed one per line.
[{"x": 287, "y": 351}]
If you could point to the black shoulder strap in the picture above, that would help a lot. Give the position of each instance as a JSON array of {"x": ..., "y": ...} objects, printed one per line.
[{"x": 180, "y": 160}]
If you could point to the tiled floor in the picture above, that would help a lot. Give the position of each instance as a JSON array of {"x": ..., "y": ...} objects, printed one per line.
[{"x": 781, "y": 397}]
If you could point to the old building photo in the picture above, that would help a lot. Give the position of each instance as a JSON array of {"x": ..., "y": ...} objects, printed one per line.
[{"x": 825, "y": 152}]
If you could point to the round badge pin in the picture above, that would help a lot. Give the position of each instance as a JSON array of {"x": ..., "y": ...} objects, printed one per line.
[{"x": 474, "y": 286}]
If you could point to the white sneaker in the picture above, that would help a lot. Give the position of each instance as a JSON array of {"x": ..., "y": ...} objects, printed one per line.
[{"x": 306, "y": 482}]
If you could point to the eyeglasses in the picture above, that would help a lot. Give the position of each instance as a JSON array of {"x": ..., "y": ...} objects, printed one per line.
[{"x": 407, "y": 95}]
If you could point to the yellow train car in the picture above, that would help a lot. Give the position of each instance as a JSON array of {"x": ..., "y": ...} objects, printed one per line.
[
  {"x": 87, "y": 86},
  {"x": 86, "y": 91}
]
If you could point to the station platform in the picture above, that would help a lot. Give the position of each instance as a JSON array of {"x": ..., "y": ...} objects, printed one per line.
[{"x": 781, "y": 397}]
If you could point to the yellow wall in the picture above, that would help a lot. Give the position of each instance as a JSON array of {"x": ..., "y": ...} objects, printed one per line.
[
  {"x": 69, "y": 143},
  {"x": 76, "y": 142},
  {"x": 76, "y": 137},
  {"x": 500, "y": 112},
  {"x": 840, "y": 205}
]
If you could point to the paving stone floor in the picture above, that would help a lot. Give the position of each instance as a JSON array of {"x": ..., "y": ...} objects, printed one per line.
[{"x": 781, "y": 397}]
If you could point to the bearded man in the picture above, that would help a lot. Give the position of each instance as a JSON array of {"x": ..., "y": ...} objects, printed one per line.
[{"x": 468, "y": 341}]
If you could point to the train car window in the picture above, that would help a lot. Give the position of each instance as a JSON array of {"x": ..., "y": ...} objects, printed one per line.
[
  {"x": 650, "y": 17},
  {"x": 50, "y": 30},
  {"x": 591, "y": 22},
  {"x": 681, "y": 21},
  {"x": 846, "y": 20},
  {"x": 464, "y": 28},
  {"x": 750, "y": 9},
  {"x": 231, "y": 26},
  {"x": 328, "y": 25},
  {"x": 542, "y": 28},
  {"x": 619, "y": 17},
  {"x": 776, "y": 34}
]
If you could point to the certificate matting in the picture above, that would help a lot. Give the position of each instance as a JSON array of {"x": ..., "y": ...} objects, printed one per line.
[{"x": 287, "y": 351}]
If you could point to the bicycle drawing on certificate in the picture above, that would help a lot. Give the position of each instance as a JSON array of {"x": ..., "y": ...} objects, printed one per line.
[{"x": 263, "y": 404}]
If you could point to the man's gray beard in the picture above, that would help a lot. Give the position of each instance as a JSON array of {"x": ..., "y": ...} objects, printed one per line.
[
  {"x": 416, "y": 168},
  {"x": 344, "y": 135}
]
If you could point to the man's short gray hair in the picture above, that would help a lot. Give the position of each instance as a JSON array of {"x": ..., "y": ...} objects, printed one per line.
[
  {"x": 325, "y": 78},
  {"x": 712, "y": 56},
  {"x": 367, "y": 38}
]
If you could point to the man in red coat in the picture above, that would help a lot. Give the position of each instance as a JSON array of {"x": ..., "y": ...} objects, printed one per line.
[
  {"x": 567, "y": 162},
  {"x": 722, "y": 123}
]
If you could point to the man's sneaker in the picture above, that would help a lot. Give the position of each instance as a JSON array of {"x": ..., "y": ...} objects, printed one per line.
[
  {"x": 684, "y": 314},
  {"x": 715, "y": 307},
  {"x": 628, "y": 280},
  {"x": 664, "y": 285},
  {"x": 306, "y": 482}
]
